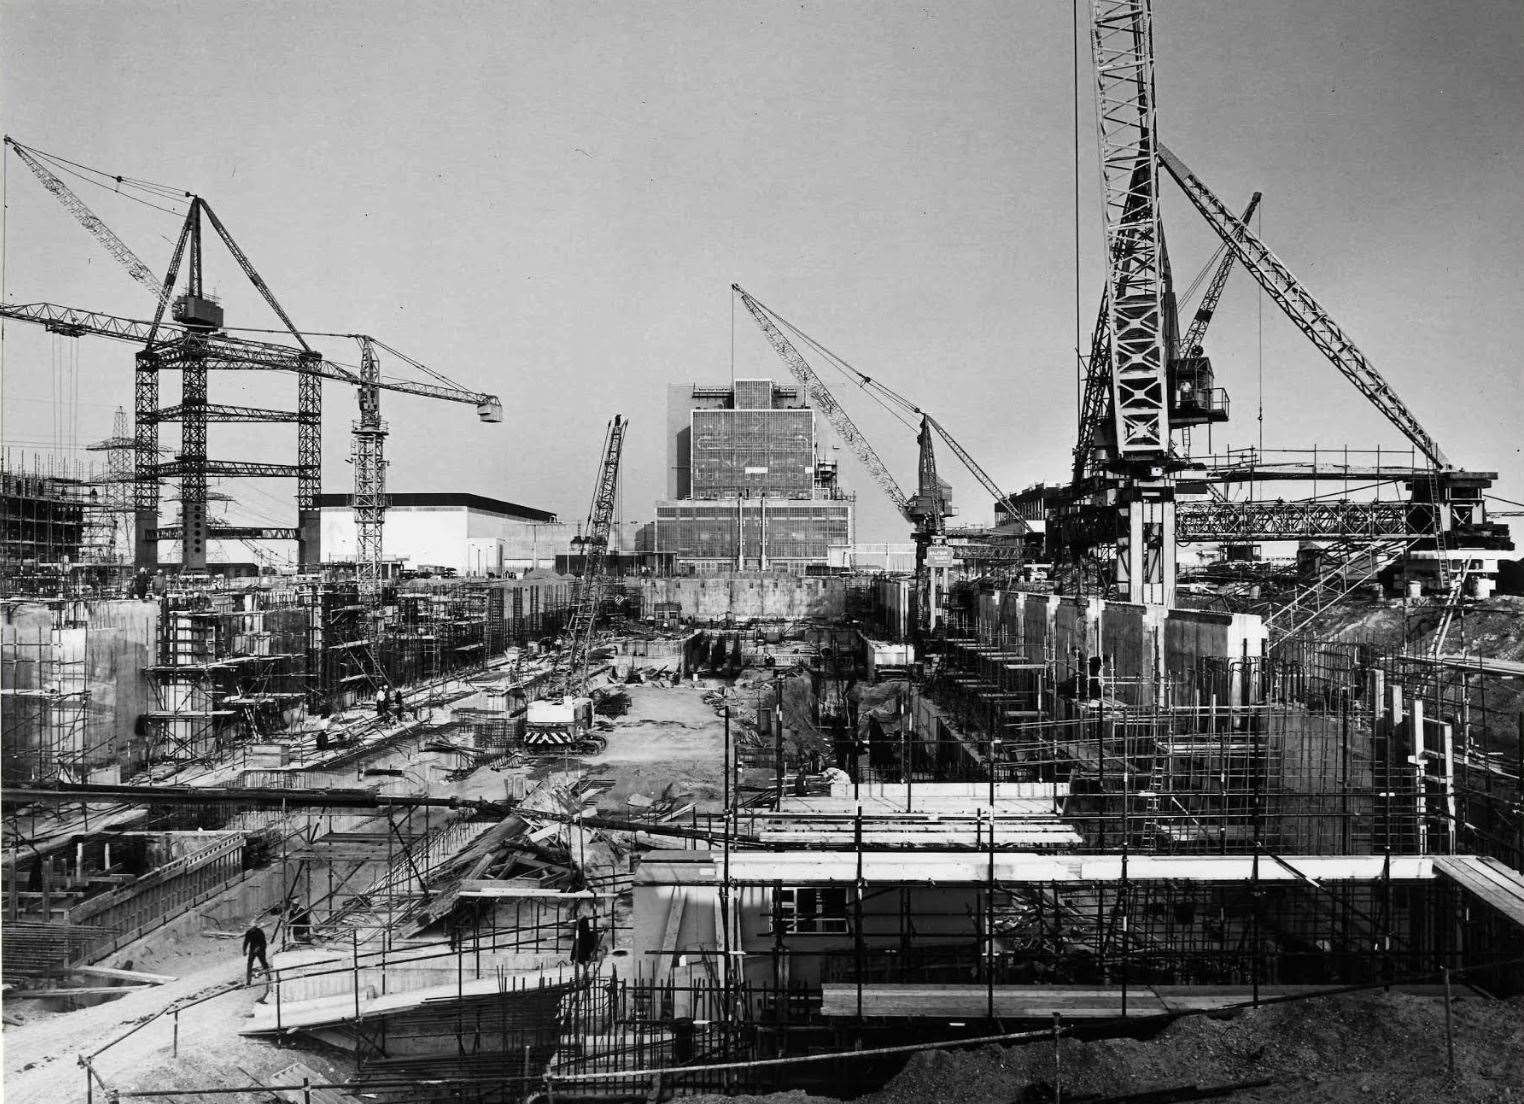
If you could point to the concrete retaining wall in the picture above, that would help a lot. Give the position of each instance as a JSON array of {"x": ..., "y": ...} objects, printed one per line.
[
  {"x": 1140, "y": 644},
  {"x": 752, "y": 594}
]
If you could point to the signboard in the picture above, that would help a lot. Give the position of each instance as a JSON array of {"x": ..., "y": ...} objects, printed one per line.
[{"x": 939, "y": 555}]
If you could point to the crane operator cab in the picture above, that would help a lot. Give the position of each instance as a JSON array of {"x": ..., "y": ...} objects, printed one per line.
[
  {"x": 197, "y": 312},
  {"x": 490, "y": 409},
  {"x": 1193, "y": 398}
]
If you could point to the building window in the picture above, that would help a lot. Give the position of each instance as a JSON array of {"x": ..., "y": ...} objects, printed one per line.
[{"x": 813, "y": 911}]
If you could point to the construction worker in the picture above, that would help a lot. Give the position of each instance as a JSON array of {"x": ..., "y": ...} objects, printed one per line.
[
  {"x": 140, "y": 585},
  {"x": 383, "y": 703},
  {"x": 254, "y": 947},
  {"x": 398, "y": 704}
]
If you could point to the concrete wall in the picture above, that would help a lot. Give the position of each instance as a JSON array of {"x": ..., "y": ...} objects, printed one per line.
[
  {"x": 105, "y": 658},
  {"x": 121, "y": 644},
  {"x": 1141, "y": 645},
  {"x": 749, "y": 595}
]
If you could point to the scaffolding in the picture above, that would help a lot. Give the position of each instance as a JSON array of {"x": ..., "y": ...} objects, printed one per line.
[
  {"x": 45, "y": 694},
  {"x": 227, "y": 669}
]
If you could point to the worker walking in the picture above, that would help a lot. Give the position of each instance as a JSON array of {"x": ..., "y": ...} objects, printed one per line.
[{"x": 254, "y": 947}]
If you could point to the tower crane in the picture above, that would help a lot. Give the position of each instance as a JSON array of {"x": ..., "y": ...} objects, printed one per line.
[
  {"x": 1142, "y": 384},
  {"x": 224, "y": 351},
  {"x": 927, "y": 511},
  {"x": 1190, "y": 376},
  {"x": 194, "y": 342}
]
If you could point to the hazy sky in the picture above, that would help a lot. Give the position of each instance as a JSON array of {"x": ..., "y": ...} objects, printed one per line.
[{"x": 550, "y": 201}]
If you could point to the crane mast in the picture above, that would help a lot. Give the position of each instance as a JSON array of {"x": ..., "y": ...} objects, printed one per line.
[
  {"x": 367, "y": 454},
  {"x": 1140, "y": 521},
  {"x": 1122, "y": 45}
]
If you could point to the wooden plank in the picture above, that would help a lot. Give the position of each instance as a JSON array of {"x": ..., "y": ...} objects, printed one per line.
[
  {"x": 491, "y": 887},
  {"x": 90, "y": 991},
  {"x": 1493, "y": 886},
  {"x": 972, "y": 1001},
  {"x": 123, "y": 975},
  {"x": 1506, "y": 879},
  {"x": 674, "y": 922},
  {"x": 1205, "y": 998}
]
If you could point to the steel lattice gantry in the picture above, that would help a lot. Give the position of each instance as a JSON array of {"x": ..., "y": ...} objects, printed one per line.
[
  {"x": 194, "y": 344},
  {"x": 169, "y": 346},
  {"x": 194, "y": 355},
  {"x": 1213, "y": 521}
]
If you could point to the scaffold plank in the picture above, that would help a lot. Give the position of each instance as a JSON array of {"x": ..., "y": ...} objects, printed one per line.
[
  {"x": 1488, "y": 880},
  {"x": 973, "y": 867}
]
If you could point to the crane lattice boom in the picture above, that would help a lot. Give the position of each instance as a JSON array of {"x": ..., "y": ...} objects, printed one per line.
[
  {"x": 1213, "y": 295},
  {"x": 595, "y": 544},
  {"x": 249, "y": 354},
  {"x": 1305, "y": 312},
  {"x": 821, "y": 398},
  {"x": 91, "y": 222}
]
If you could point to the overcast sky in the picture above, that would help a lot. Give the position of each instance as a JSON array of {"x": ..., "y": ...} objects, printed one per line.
[{"x": 551, "y": 201}]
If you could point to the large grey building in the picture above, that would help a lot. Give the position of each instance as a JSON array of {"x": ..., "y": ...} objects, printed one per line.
[{"x": 747, "y": 485}]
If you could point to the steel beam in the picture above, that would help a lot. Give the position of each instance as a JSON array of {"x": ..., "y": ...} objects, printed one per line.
[
  {"x": 145, "y": 449},
  {"x": 219, "y": 412},
  {"x": 1214, "y": 521},
  {"x": 230, "y": 532},
  {"x": 248, "y": 469}
]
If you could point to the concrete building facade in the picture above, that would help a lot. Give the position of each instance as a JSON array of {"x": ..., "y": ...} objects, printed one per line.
[{"x": 747, "y": 488}]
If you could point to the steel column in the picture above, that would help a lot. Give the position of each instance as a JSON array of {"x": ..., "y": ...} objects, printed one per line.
[{"x": 145, "y": 446}]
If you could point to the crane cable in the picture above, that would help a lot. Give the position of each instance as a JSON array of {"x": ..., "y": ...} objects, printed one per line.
[
  {"x": 111, "y": 182},
  {"x": 163, "y": 191},
  {"x": 875, "y": 390}
]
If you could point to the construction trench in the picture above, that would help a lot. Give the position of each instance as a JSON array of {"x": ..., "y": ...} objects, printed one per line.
[{"x": 1071, "y": 812}]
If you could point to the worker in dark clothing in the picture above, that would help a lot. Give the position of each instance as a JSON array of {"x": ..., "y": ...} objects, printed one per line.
[
  {"x": 301, "y": 925},
  {"x": 398, "y": 704},
  {"x": 254, "y": 947}
]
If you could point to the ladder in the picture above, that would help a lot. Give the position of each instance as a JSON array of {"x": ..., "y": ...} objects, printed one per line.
[{"x": 1452, "y": 603}]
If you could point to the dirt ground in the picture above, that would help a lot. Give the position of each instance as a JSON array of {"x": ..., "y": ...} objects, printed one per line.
[
  {"x": 1373, "y": 1048},
  {"x": 670, "y": 737},
  {"x": 41, "y": 1058}
]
